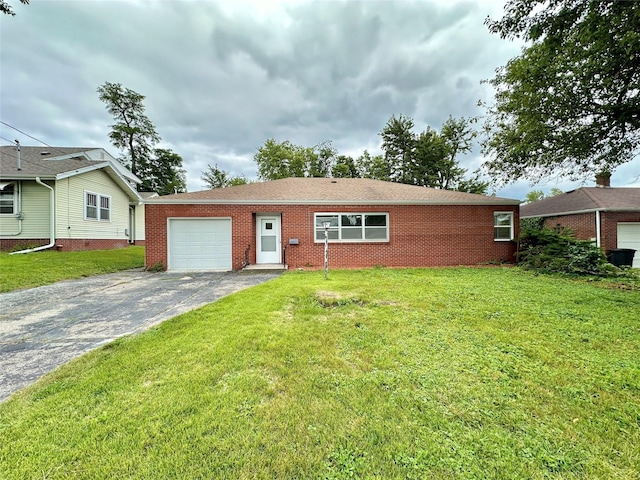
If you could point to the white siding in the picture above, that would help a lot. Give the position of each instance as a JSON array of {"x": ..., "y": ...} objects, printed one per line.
[
  {"x": 70, "y": 221},
  {"x": 139, "y": 220},
  {"x": 35, "y": 210}
]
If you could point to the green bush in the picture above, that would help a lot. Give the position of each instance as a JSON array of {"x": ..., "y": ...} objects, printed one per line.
[{"x": 557, "y": 250}]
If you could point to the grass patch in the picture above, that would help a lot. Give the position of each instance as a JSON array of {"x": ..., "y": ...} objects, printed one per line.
[
  {"x": 48, "y": 266},
  {"x": 444, "y": 373}
]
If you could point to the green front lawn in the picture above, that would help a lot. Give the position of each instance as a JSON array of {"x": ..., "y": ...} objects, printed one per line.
[
  {"x": 49, "y": 266},
  {"x": 441, "y": 373}
]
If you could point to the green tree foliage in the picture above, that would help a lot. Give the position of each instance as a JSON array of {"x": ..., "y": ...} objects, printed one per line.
[
  {"x": 214, "y": 177},
  {"x": 374, "y": 167},
  {"x": 345, "y": 167},
  {"x": 6, "y": 8},
  {"x": 162, "y": 173},
  {"x": 398, "y": 145},
  {"x": 283, "y": 159},
  {"x": 569, "y": 104},
  {"x": 132, "y": 131},
  {"x": 558, "y": 251},
  {"x": 473, "y": 184},
  {"x": 535, "y": 195},
  {"x": 430, "y": 158}
]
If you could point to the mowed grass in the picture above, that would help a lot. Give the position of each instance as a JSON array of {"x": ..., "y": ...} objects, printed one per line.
[
  {"x": 49, "y": 266},
  {"x": 441, "y": 373}
]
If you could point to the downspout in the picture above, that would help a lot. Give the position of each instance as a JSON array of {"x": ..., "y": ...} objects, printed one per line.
[
  {"x": 598, "y": 240},
  {"x": 19, "y": 212},
  {"x": 52, "y": 222}
]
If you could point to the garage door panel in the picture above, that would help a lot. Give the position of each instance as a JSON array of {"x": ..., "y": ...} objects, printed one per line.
[
  {"x": 200, "y": 244},
  {"x": 629, "y": 237}
]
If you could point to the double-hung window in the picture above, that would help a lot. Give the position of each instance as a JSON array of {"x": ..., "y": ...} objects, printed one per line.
[
  {"x": 502, "y": 226},
  {"x": 7, "y": 199},
  {"x": 97, "y": 207},
  {"x": 352, "y": 227}
]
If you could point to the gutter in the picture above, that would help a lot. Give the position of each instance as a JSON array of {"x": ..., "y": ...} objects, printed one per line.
[
  {"x": 577, "y": 212},
  {"x": 52, "y": 242},
  {"x": 598, "y": 240}
]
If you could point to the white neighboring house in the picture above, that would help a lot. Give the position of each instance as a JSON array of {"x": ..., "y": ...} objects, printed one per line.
[{"x": 68, "y": 199}]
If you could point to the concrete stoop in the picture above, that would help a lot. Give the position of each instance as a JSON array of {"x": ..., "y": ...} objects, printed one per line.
[{"x": 265, "y": 267}]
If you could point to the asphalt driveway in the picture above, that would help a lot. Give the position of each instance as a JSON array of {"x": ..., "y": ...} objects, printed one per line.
[{"x": 44, "y": 327}]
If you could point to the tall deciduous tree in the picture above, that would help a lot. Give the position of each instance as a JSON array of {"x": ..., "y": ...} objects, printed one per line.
[
  {"x": 398, "y": 145},
  {"x": 430, "y": 158},
  {"x": 569, "y": 105},
  {"x": 162, "y": 173},
  {"x": 132, "y": 131},
  {"x": 215, "y": 177},
  {"x": 6, "y": 8}
]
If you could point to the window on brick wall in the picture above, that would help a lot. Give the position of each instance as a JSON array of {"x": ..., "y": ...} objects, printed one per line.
[
  {"x": 353, "y": 227},
  {"x": 97, "y": 207},
  {"x": 502, "y": 226}
]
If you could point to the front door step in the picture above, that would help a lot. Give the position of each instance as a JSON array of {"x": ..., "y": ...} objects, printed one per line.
[{"x": 265, "y": 267}]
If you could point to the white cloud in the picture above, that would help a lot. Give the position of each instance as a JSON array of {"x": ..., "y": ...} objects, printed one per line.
[{"x": 222, "y": 77}]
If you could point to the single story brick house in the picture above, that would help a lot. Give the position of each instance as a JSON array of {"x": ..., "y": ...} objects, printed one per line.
[
  {"x": 369, "y": 223},
  {"x": 608, "y": 216}
]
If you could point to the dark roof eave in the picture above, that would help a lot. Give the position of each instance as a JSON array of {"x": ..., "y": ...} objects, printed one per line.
[
  {"x": 578, "y": 212},
  {"x": 5, "y": 177}
]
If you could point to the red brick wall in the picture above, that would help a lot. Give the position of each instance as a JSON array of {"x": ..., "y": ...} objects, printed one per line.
[
  {"x": 66, "y": 244},
  {"x": 584, "y": 225},
  {"x": 610, "y": 221},
  {"x": 420, "y": 235}
]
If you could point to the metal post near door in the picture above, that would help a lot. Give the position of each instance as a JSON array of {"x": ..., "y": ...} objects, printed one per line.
[{"x": 326, "y": 226}]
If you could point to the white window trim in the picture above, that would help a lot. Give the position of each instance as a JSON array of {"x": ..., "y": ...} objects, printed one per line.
[
  {"x": 339, "y": 228},
  {"x": 15, "y": 199},
  {"x": 511, "y": 227},
  {"x": 98, "y": 207}
]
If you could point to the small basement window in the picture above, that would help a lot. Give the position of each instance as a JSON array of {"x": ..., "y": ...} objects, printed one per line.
[
  {"x": 97, "y": 207},
  {"x": 353, "y": 227},
  {"x": 7, "y": 199},
  {"x": 502, "y": 226}
]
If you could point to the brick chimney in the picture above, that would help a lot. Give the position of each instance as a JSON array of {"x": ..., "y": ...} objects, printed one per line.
[{"x": 603, "y": 180}]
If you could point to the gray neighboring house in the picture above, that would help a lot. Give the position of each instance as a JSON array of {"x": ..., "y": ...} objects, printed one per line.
[
  {"x": 608, "y": 216},
  {"x": 68, "y": 198}
]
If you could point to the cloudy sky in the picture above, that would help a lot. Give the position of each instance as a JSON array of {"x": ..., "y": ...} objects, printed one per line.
[{"x": 221, "y": 77}]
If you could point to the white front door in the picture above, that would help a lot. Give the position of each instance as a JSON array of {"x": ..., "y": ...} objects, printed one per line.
[{"x": 268, "y": 241}]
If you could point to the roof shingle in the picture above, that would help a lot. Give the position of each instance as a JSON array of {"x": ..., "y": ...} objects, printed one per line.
[
  {"x": 332, "y": 191},
  {"x": 34, "y": 163},
  {"x": 584, "y": 199}
]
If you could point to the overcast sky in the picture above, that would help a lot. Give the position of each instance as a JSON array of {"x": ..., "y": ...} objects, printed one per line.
[{"x": 220, "y": 78}]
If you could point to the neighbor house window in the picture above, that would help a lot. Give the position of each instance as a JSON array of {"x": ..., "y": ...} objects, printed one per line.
[
  {"x": 503, "y": 226},
  {"x": 353, "y": 227},
  {"x": 7, "y": 198},
  {"x": 97, "y": 207}
]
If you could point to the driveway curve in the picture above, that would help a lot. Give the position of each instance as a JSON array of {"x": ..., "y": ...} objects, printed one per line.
[{"x": 44, "y": 327}]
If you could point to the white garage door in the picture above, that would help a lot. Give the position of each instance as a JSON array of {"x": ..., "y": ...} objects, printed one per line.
[
  {"x": 629, "y": 237},
  {"x": 199, "y": 244}
]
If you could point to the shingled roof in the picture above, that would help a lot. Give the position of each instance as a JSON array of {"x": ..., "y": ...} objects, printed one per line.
[
  {"x": 584, "y": 199},
  {"x": 339, "y": 191},
  {"x": 43, "y": 161},
  {"x": 55, "y": 163}
]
